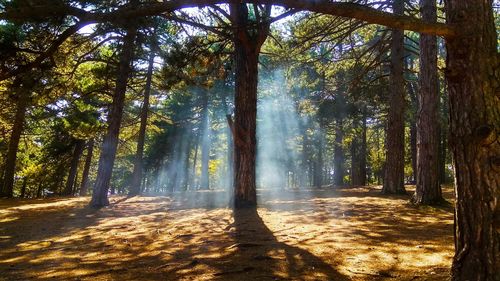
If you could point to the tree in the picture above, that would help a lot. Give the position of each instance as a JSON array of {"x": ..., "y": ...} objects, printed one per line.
[
  {"x": 394, "y": 165},
  {"x": 428, "y": 190},
  {"x": 135, "y": 185},
  {"x": 338, "y": 154},
  {"x": 205, "y": 141},
  {"x": 248, "y": 37},
  {"x": 23, "y": 86},
  {"x": 110, "y": 141},
  {"x": 73, "y": 170},
  {"x": 472, "y": 76},
  {"x": 86, "y": 168}
]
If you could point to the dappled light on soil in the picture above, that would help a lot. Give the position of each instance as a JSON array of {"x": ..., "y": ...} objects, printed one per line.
[{"x": 351, "y": 234}]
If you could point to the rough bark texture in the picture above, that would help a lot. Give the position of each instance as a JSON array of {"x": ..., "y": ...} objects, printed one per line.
[
  {"x": 110, "y": 142},
  {"x": 15, "y": 136},
  {"x": 135, "y": 184},
  {"x": 86, "y": 168},
  {"x": 428, "y": 190},
  {"x": 247, "y": 43},
  {"x": 473, "y": 77},
  {"x": 394, "y": 165},
  {"x": 73, "y": 170}
]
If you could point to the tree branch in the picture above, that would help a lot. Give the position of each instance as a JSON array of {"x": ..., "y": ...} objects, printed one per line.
[
  {"x": 48, "y": 53},
  {"x": 342, "y": 9}
]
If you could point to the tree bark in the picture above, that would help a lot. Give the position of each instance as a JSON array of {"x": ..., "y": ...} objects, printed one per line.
[
  {"x": 17, "y": 129},
  {"x": 86, "y": 168},
  {"x": 137, "y": 174},
  {"x": 394, "y": 165},
  {"x": 73, "y": 170},
  {"x": 248, "y": 39},
  {"x": 473, "y": 75},
  {"x": 110, "y": 142},
  {"x": 428, "y": 190}
]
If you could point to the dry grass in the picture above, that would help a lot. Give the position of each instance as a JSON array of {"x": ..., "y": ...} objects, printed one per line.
[{"x": 352, "y": 234}]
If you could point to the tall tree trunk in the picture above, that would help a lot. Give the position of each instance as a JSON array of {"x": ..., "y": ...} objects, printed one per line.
[
  {"x": 39, "y": 190},
  {"x": 205, "y": 143},
  {"x": 59, "y": 178},
  {"x": 428, "y": 190},
  {"x": 338, "y": 153},
  {"x": 413, "y": 149},
  {"x": 318, "y": 163},
  {"x": 110, "y": 142},
  {"x": 74, "y": 189},
  {"x": 17, "y": 129},
  {"x": 193, "y": 167},
  {"x": 358, "y": 153},
  {"x": 443, "y": 143},
  {"x": 245, "y": 141},
  {"x": 86, "y": 168},
  {"x": 414, "y": 105},
  {"x": 229, "y": 147},
  {"x": 362, "y": 152},
  {"x": 355, "y": 171},
  {"x": 394, "y": 164},
  {"x": 187, "y": 154},
  {"x": 305, "y": 155},
  {"x": 23, "y": 187},
  {"x": 248, "y": 39},
  {"x": 73, "y": 170},
  {"x": 135, "y": 185},
  {"x": 473, "y": 75}
]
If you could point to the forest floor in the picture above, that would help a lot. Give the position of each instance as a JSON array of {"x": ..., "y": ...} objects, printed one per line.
[{"x": 348, "y": 234}]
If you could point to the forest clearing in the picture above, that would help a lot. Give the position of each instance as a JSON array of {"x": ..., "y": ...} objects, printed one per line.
[
  {"x": 250, "y": 140},
  {"x": 346, "y": 234}
]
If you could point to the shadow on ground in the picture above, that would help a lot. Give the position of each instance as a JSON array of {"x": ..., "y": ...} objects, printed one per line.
[{"x": 352, "y": 234}]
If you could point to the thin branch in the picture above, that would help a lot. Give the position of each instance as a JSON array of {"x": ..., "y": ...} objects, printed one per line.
[
  {"x": 48, "y": 53},
  {"x": 196, "y": 24}
]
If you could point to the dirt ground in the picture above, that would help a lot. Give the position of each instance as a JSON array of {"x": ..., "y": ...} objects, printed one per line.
[{"x": 350, "y": 234}]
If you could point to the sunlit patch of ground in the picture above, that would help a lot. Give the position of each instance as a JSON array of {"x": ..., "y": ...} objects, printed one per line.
[{"x": 351, "y": 234}]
